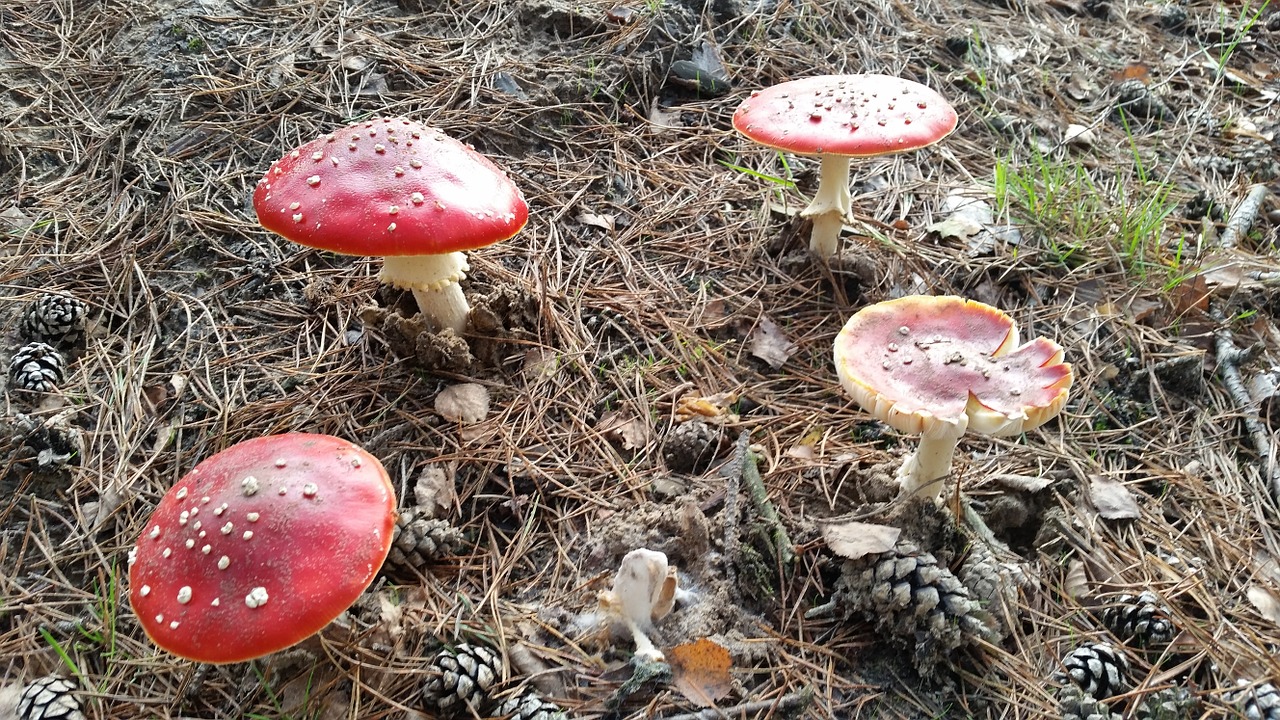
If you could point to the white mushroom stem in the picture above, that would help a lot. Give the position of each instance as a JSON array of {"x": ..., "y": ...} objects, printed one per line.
[
  {"x": 434, "y": 281},
  {"x": 923, "y": 470},
  {"x": 830, "y": 206},
  {"x": 645, "y": 649}
]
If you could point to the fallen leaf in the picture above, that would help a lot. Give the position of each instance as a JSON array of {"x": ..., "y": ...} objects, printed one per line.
[
  {"x": 770, "y": 344},
  {"x": 1112, "y": 499},
  {"x": 968, "y": 218},
  {"x": 1265, "y": 601},
  {"x": 1026, "y": 483},
  {"x": 700, "y": 671},
  {"x": 1076, "y": 582},
  {"x": 853, "y": 540},
  {"x": 604, "y": 222},
  {"x": 710, "y": 408},
  {"x": 1139, "y": 71},
  {"x": 465, "y": 403},
  {"x": 632, "y": 433},
  {"x": 1079, "y": 135},
  {"x": 435, "y": 492}
]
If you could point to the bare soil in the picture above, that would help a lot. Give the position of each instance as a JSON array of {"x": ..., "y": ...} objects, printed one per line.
[{"x": 664, "y": 261}]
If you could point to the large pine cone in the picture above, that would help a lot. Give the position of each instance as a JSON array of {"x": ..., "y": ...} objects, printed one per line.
[
  {"x": 58, "y": 320},
  {"x": 49, "y": 698},
  {"x": 37, "y": 367},
  {"x": 1260, "y": 702},
  {"x": 530, "y": 706},
  {"x": 691, "y": 446},
  {"x": 914, "y": 600},
  {"x": 1076, "y": 704},
  {"x": 418, "y": 540},
  {"x": 1096, "y": 668},
  {"x": 989, "y": 581},
  {"x": 1140, "y": 618},
  {"x": 460, "y": 680}
]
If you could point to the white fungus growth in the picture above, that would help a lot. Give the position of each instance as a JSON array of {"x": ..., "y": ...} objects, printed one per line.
[
  {"x": 144, "y": 591},
  {"x": 249, "y": 486},
  {"x": 224, "y": 562},
  {"x": 184, "y": 594},
  {"x": 309, "y": 490},
  {"x": 155, "y": 532}
]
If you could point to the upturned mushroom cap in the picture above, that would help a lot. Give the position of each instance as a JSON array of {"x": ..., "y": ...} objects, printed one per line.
[
  {"x": 936, "y": 364},
  {"x": 261, "y": 546},
  {"x": 852, "y": 115},
  {"x": 389, "y": 187}
]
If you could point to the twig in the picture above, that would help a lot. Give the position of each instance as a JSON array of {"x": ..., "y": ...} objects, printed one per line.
[
  {"x": 1230, "y": 358},
  {"x": 733, "y": 477},
  {"x": 782, "y": 547},
  {"x": 1241, "y": 220},
  {"x": 791, "y": 702}
]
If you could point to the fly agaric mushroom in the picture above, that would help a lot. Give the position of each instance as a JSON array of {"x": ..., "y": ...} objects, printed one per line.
[
  {"x": 261, "y": 546},
  {"x": 935, "y": 366},
  {"x": 837, "y": 117},
  {"x": 400, "y": 190},
  {"x": 643, "y": 592}
]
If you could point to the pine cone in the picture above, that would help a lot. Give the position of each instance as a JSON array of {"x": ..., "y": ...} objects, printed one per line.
[
  {"x": 1075, "y": 704},
  {"x": 989, "y": 581},
  {"x": 58, "y": 320},
  {"x": 1174, "y": 703},
  {"x": 1141, "y": 618},
  {"x": 1096, "y": 668},
  {"x": 417, "y": 541},
  {"x": 1257, "y": 702},
  {"x": 914, "y": 599},
  {"x": 49, "y": 698},
  {"x": 37, "y": 367},
  {"x": 1201, "y": 206},
  {"x": 530, "y": 706},
  {"x": 691, "y": 446},
  {"x": 461, "y": 678}
]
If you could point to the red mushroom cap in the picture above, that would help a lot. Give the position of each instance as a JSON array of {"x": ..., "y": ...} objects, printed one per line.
[
  {"x": 389, "y": 187},
  {"x": 261, "y": 546},
  {"x": 919, "y": 359},
  {"x": 855, "y": 115}
]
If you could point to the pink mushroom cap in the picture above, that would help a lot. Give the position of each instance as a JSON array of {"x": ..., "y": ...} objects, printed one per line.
[
  {"x": 917, "y": 360},
  {"x": 389, "y": 187},
  {"x": 853, "y": 115},
  {"x": 261, "y": 546}
]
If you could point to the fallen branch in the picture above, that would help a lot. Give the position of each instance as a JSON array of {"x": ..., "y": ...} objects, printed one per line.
[
  {"x": 732, "y": 474},
  {"x": 789, "y": 703},
  {"x": 1243, "y": 217},
  {"x": 783, "y": 550},
  {"x": 1230, "y": 358}
]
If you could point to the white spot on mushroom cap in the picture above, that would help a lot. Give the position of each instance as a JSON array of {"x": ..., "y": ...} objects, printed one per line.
[
  {"x": 249, "y": 486},
  {"x": 184, "y": 594},
  {"x": 226, "y": 529},
  {"x": 173, "y": 625},
  {"x": 190, "y": 543},
  {"x": 159, "y": 618},
  {"x": 309, "y": 490},
  {"x": 216, "y": 602},
  {"x": 257, "y": 597},
  {"x": 252, "y": 517},
  {"x": 224, "y": 562},
  {"x": 281, "y": 462},
  {"x": 206, "y": 549},
  {"x": 314, "y": 180},
  {"x": 181, "y": 494},
  {"x": 248, "y": 535},
  {"x": 167, "y": 552},
  {"x": 155, "y": 532},
  {"x": 144, "y": 591}
]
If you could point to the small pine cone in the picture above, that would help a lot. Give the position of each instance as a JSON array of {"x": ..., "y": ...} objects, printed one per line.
[
  {"x": 914, "y": 599},
  {"x": 58, "y": 320},
  {"x": 461, "y": 679},
  {"x": 37, "y": 367},
  {"x": 417, "y": 541},
  {"x": 1173, "y": 703},
  {"x": 1257, "y": 702},
  {"x": 1096, "y": 668},
  {"x": 530, "y": 706},
  {"x": 1141, "y": 618},
  {"x": 989, "y": 581},
  {"x": 1076, "y": 704},
  {"x": 691, "y": 446},
  {"x": 1172, "y": 16},
  {"x": 49, "y": 698}
]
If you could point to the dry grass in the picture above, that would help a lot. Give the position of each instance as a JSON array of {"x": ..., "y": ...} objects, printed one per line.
[{"x": 131, "y": 134}]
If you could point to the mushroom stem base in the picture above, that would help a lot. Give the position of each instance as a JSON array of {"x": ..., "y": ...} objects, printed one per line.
[
  {"x": 922, "y": 472},
  {"x": 830, "y": 206},
  {"x": 434, "y": 281}
]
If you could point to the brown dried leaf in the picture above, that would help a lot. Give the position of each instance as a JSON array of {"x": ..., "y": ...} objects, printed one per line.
[
  {"x": 700, "y": 671},
  {"x": 604, "y": 222},
  {"x": 1265, "y": 601},
  {"x": 436, "y": 491},
  {"x": 465, "y": 403},
  {"x": 711, "y": 408},
  {"x": 1026, "y": 483},
  {"x": 853, "y": 540},
  {"x": 631, "y": 433},
  {"x": 1112, "y": 499},
  {"x": 1076, "y": 582},
  {"x": 770, "y": 344}
]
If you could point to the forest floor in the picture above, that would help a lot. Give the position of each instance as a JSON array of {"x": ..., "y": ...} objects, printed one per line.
[{"x": 662, "y": 289}]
